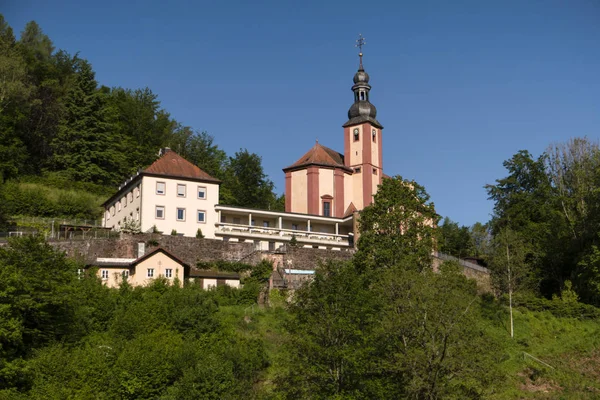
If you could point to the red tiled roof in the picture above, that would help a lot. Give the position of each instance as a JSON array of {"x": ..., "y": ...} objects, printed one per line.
[
  {"x": 172, "y": 164},
  {"x": 319, "y": 155}
]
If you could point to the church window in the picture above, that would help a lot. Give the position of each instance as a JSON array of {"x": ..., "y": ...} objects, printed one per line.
[
  {"x": 356, "y": 135},
  {"x": 327, "y": 209},
  {"x": 374, "y": 135}
]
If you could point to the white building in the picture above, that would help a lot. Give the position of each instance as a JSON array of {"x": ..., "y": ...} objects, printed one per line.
[{"x": 171, "y": 194}]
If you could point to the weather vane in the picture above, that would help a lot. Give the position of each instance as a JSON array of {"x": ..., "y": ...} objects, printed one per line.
[{"x": 360, "y": 42}]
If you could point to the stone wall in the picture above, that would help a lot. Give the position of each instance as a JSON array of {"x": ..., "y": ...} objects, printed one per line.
[{"x": 190, "y": 250}]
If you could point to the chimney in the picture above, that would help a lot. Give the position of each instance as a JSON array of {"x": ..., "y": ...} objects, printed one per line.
[
  {"x": 141, "y": 250},
  {"x": 163, "y": 151}
]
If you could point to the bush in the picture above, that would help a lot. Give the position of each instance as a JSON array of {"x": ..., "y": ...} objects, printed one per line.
[
  {"x": 199, "y": 234},
  {"x": 557, "y": 306}
]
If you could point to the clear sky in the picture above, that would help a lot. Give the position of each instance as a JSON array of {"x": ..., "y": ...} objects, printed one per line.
[{"x": 460, "y": 86}]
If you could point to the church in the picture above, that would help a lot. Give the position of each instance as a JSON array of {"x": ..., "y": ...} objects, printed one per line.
[{"x": 332, "y": 184}]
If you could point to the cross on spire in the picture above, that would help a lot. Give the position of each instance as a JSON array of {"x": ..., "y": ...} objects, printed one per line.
[{"x": 360, "y": 42}]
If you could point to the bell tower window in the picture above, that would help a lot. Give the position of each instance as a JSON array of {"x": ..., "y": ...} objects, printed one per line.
[
  {"x": 374, "y": 135},
  {"x": 356, "y": 137},
  {"x": 362, "y": 96}
]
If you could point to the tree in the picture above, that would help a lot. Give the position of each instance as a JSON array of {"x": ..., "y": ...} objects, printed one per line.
[
  {"x": 35, "y": 306},
  {"x": 455, "y": 240},
  {"x": 245, "y": 184},
  {"x": 200, "y": 150},
  {"x": 328, "y": 351},
  {"x": 398, "y": 227},
  {"x": 429, "y": 340},
  {"x": 86, "y": 148}
]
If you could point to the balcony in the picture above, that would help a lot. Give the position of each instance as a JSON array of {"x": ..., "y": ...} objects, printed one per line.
[{"x": 304, "y": 238}]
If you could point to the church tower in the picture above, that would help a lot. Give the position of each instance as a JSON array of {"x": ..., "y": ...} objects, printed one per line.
[
  {"x": 362, "y": 140},
  {"x": 331, "y": 184}
]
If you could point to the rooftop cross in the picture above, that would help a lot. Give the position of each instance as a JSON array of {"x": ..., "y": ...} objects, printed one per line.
[{"x": 360, "y": 42}]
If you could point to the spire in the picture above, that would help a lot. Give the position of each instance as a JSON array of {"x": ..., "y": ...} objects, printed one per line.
[
  {"x": 360, "y": 42},
  {"x": 362, "y": 110}
]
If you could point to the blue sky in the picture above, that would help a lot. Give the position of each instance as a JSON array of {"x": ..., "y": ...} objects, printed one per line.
[{"x": 459, "y": 86}]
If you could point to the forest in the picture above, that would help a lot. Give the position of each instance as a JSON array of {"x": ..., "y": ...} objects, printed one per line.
[{"x": 383, "y": 325}]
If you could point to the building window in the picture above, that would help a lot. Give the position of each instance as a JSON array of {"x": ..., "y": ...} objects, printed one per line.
[
  {"x": 223, "y": 219},
  {"x": 137, "y": 214},
  {"x": 160, "y": 212},
  {"x": 168, "y": 273},
  {"x": 357, "y": 170},
  {"x": 112, "y": 210},
  {"x": 181, "y": 214},
  {"x": 180, "y": 190},
  {"x": 327, "y": 209},
  {"x": 125, "y": 274},
  {"x": 237, "y": 220},
  {"x": 356, "y": 137},
  {"x": 265, "y": 224},
  {"x": 130, "y": 195},
  {"x": 118, "y": 206},
  {"x": 107, "y": 215},
  {"x": 160, "y": 188},
  {"x": 137, "y": 191},
  {"x": 124, "y": 201},
  {"x": 257, "y": 245},
  {"x": 253, "y": 223},
  {"x": 374, "y": 171},
  {"x": 201, "y": 192},
  {"x": 295, "y": 227},
  {"x": 271, "y": 246},
  {"x": 150, "y": 273},
  {"x": 201, "y": 216},
  {"x": 104, "y": 274},
  {"x": 374, "y": 135}
]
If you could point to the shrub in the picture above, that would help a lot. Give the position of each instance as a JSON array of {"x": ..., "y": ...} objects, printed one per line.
[
  {"x": 199, "y": 234},
  {"x": 174, "y": 232}
]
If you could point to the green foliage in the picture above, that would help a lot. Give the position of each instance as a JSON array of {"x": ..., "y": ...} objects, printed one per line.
[
  {"x": 199, "y": 234},
  {"x": 131, "y": 226},
  {"x": 173, "y": 232},
  {"x": 454, "y": 240},
  {"x": 398, "y": 227},
  {"x": 293, "y": 241}
]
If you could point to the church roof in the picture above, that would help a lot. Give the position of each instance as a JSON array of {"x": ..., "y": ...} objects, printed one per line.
[
  {"x": 320, "y": 155},
  {"x": 350, "y": 210},
  {"x": 172, "y": 164}
]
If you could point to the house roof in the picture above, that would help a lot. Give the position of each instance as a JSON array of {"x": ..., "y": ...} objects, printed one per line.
[
  {"x": 322, "y": 156},
  {"x": 203, "y": 273},
  {"x": 170, "y": 165},
  {"x": 155, "y": 251},
  {"x": 173, "y": 165}
]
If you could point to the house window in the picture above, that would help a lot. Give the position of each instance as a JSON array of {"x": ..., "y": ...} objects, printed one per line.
[
  {"x": 201, "y": 192},
  {"x": 237, "y": 220},
  {"x": 168, "y": 273},
  {"x": 253, "y": 223},
  {"x": 124, "y": 201},
  {"x": 265, "y": 224},
  {"x": 221, "y": 282},
  {"x": 107, "y": 215},
  {"x": 180, "y": 190},
  {"x": 327, "y": 209},
  {"x": 295, "y": 227},
  {"x": 271, "y": 246},
  {"x": 150, "y": 273},
  {"x": 201, "y": 216},
  {"x": 125, "y": 274},
  {"x": 181, "y": 214},
  {"x": 374, "y": 135},
  {"x": 137, "y": 191},
  {"x": 160, "y": 188},
  {"x": 137, "y": 214},
  {"x": 118, "y": 206},
  {"x": 104, "y": 274},
  {"x": 130, "y": 195},
  {"x": 112, "y": 210},
  {"x": 223, "y": 219},
  {"x": 160, "y": 212},
  {"x": 257, "y": 245}
]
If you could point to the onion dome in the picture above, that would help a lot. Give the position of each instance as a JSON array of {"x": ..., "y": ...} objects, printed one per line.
[{"x": 362, "y": 110}]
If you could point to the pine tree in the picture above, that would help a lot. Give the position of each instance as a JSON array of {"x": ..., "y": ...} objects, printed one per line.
[{"x": 85, "y": 147}]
